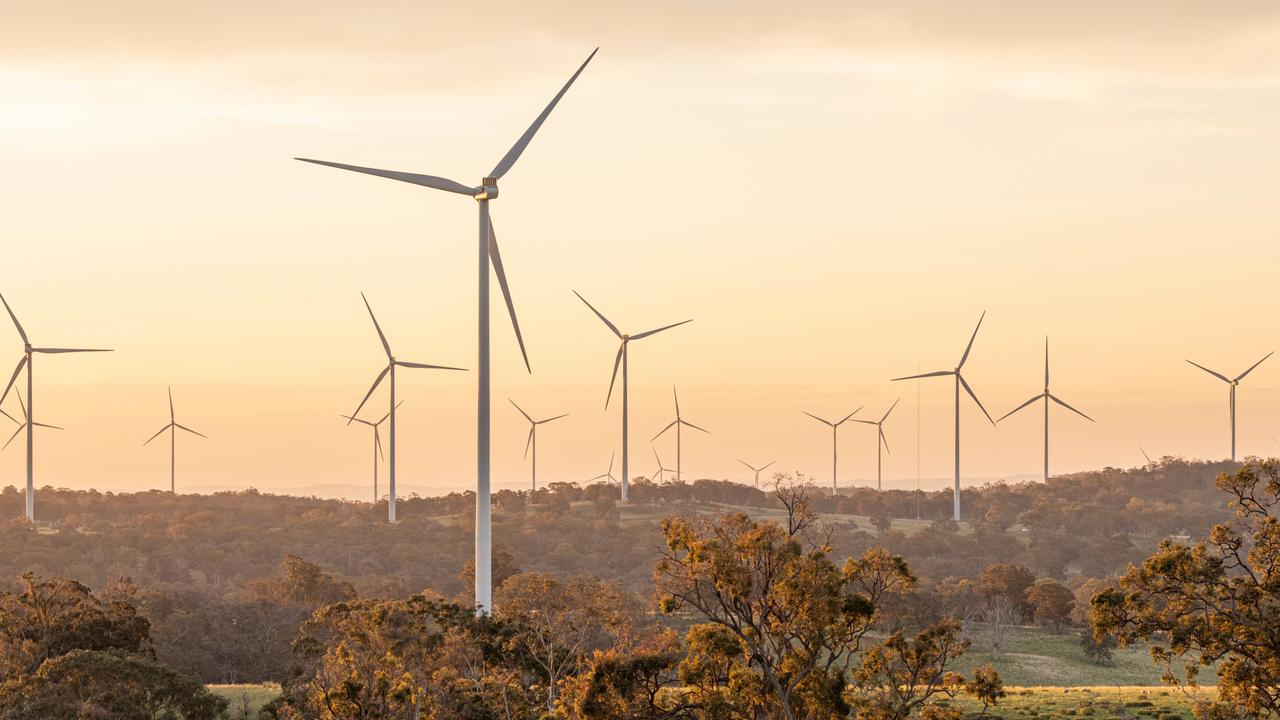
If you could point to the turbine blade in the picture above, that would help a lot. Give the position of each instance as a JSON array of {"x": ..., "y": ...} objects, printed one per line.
[
  {"x": 495, "y": 257},
  {"x": 1251, "y": 367},
  {"x": 766, "y": 467},
  {"x": 16, "y": 324},
  {"x": 940, "y": 373},
  {"x": 695, "y": 427},
  {"x": 744, "y": 462},
  {"x": 51, "y": 427},
  {"x": 430, "y": 181},
  {"x": 55, "y": 351},
  {"x": 385, "y": 345},
  {"x": 1037, "y": 397},
  {"x": 815, "y": 417},
  {"x": 885, "y": 440},
  {"x": 21, "y": 364},
  {"x": 14, "y": 419},
  {"x": 676, "y": 395},
  {"x": 376, "y": 382},
  {"x": 846, "y": 417},
  {"x": 1063, "y": 404},
  {"x": 384, "y": 417},
  {"x": 171, "y": 417},
  {"x": 193, "y": 432},
  {"x": 975, "y": 398},
  {"x": 425, "y": 366},
  {"x": 1145, "y": 455},
  {"x": 528, "y": 442},
  {"x": 664, "y": 327},
  {"x": 377, "y": 443},
  {"x": 356, "y": 419},
  {"x": 13, "y": 436},
  {"x": 617, "y": 360},
  {"x": 891, "y": 407},
  {"x": 544, "y": 422},
  {"x": 514, "y": 153},
  {"x": 673, "y": 424},
  {"x": 522, "y": 412},
  {"x": 973, "y": 337},
  {"x": 600, "y": 315},
  {"x": 1046, "y": 362},
  {"x": 1218, "y": 375},
  {"x": 158, "y": 433}
]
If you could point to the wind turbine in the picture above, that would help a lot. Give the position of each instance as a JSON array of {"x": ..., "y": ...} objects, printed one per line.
[
  {"x": 661, "y": 467},
  {"x": 960, "y": 382},
  {"x": 881, "y": 440},
  {"x": 28, "y": 358},
  {"x": 1046, "y": 396},
  {"x": 173, "y": 427},
  {"x": 621, "y": 359},
  {"x": 488, "y": 254},
  {"x": 533, "y": 437},
  {"x": 390, "y": 370},
  {"x": 834, "y": 445},
  {"x": 1233, "y": 382},
  {"x": 609, "y": 475},
  {"x": 757, "y": 470},
  {"x": 677, "y": 423},
  {"x": 377, "y": 444},
  {"x": 26, "y": 420}
]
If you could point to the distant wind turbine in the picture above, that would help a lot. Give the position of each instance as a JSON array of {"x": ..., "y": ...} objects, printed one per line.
[
  {"x": 960, "y": 382},
  {"x": 533, "y": 437},
  {"x": 28, "y": 358},
  {"x": 1233, "y": 382},
  {"x": 677, "y": 423},
  {"x": 834, "y": 445},
  {"x": 390, "y": 369},
  {"x": 377, "y": 444},
  {"x": 881, "y": 440},
  {"x": 621, "y": 360},
  {"x": 488, "y": 255},
  {"x": 1046, "y": 396},
  {"x": 757, "y": 470},
  {"x": 661, "y": 468},
  {"x": 173, "y": 427},
  {"x": 26, "y": 420},
  {"x": 608, "y": 475}
]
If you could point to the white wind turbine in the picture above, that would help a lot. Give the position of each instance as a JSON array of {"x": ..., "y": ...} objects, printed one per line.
[
  {"x": 608, "y": 475},
  {"x": 677, "y": 423},
  {"x": 661, "y": 468},
  {"x": 960, "y": 382},
  {"x": 26, "y": 420},
  {"x": 28, "y": 358},
  {"x": 621, "y": 360},
  {"x": 173, "y": 427},
  {"x": 1046, "y": 396},
  {"x": 533, "y": 437},
  {"x": 757, "y": 470},
  {"x": 881, "y": 441},
  {"x": 377, "y": 443},
  {"x": 835, "y": 426},
  {"x": 390, "y": 371},
  {"x": 488, "y": 255},
  {"x": 1233, "y": 382}
]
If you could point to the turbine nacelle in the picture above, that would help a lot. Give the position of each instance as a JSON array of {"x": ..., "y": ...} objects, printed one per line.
[{"x": 488, "y": 189}]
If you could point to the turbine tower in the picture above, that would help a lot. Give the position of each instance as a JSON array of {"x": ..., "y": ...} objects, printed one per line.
[
  {"x": 606, "y": 476},
  {"x": 390, "y": 370},
  {"x": 1233, "y": 382},
  {"x": 488, "y": 255},
  {"x": 757, "y": 470},
  {"x": 834, "y": 445},
  {"x": 173, "y": 427},
  {"x": 28, "y": 358},
  {"x": 677, "y": 423},
  {"x": 881, "y": 441},
  {"x": 960, "y": 382},
  {"x": 533, "y": 437},
  {"x": 26, "y": 420},
  {"x": 621, "y": 359},
  {"x": 377, "y": 444},
  {"x": 661, "y": 468},
  {"x": 1047, "y": 397}
]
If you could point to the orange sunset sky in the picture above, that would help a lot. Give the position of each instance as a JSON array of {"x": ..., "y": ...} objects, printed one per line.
[{"x": 834, "y": 191}]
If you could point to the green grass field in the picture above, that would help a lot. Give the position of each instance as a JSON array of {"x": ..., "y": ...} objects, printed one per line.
[
  {"x": 1035, "y": 657},
  {"x": 245, "y": 700},
  {"x": 1100, "y": 701}
]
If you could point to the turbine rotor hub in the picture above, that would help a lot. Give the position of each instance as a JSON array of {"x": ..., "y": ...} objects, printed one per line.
[{"x": 488, "y": 189}]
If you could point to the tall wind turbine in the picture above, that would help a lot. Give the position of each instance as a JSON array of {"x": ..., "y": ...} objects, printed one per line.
[
  {"x": 533, "y": 437},
  {"x": 960, "y": 382},
  {"x": 390, "y": 370},
  {"x": 881, "y": 441},
  {"x": 677, "y": 423},
  {"x": 488, "y": 254},
  {"x": 1233, "y": 382},
  {"x": 26, "y": 420},
  {"x": 757, "y": 470},
  {"x": 835, "y": 426},
  {"x": 661, "y": 468},
  {"x": 621, "y": 359},
  {"x": 1046, "y": 396},
  {"x": 28, "y": 358},
  {"x": 609, "y": 475},
  {"x": 377, "y": 444},
  {"x": 173, "y": 427}
]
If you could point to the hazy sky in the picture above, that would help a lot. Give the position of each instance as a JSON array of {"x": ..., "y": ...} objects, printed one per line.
[{"x": 835, "y": 195}]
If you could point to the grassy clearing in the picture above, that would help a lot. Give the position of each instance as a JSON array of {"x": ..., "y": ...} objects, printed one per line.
[
  {"x": 1035, "y": 657},
  {"x": 246, "y": 700},
  {"x": 1099, "y": 701}
]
